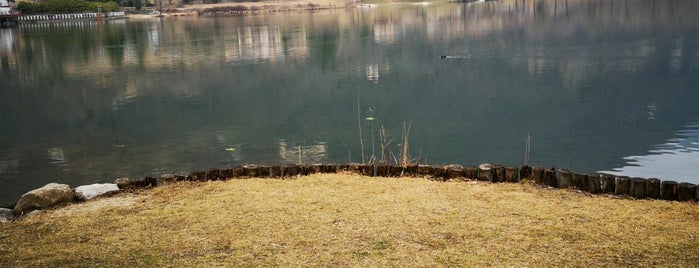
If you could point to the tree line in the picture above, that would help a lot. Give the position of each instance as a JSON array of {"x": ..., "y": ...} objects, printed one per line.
[{"x": 65, "y": 6}]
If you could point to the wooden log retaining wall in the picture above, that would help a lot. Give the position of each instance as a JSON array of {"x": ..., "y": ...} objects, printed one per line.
[
  {"x": 70, "y": 16},
  {"x": 593, "y": 183}
]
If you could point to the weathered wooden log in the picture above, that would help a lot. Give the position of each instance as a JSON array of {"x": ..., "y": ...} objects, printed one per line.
[
  {"x": 686, "y": 191},
  {"x": 197, "y": 176},
  {"x": 238, "y": 172},
  {"x": 550, "y": 178},
  {"x": 668, "y": 190},
  {"x": 622, "y": 185},
  {"x": 366, "y": 170},
  {"x": 538, "y": 175},
  {"x": 653, "y": 188},
  {"x": 331, "y": 168},
  {"x": 263, "y": 171},
  {"x": 227, "y": 173},
  {"x": 439, "y": 173},
  {"x": 213, "y": 174},
  {"x": 470, "y": 173},
  {"x": 511, "y": 174},
  {"x": 454, "y": 171},
  {"x": 250, "y": 170},
  {"x": 608, "y": 183},
  {"x": 565, "y": 178},
  {"x": 355, "y": 168},
  {"x": 315, "y": 168},
  {"x": 182, "y": 176},
  {"x": 291, "y": 171},
  {"x": 168, "y": 178},
  {"x": 637, "y": 187},
  {"x": 343, "y": 168},
  {"x": 424, "y": 170},
  {"x": 525, "y": 172},
  {"x": 593, "y": 183},
  {"x": 411, "y": 170},
  {"x": 305, "y": 170},
  {"x": 276, "y": 171},
  {"x": 498, "y": 173},
  {"x": 485, "y": 172},
  {"x": 579, "y": 181},
  {"x": 395, "y": 170},
  {"x": 381, "y": 170}
]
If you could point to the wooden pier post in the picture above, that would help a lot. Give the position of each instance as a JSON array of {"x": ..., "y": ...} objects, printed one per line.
[
  {"x": 622, "y": 185},
  {"x": 511, "y": 174},
  {"x": 637, "y": 187},
  {"x": 686, "y": 191},
  {"x": 564, "y": 178},
  {"x": 579, "y": 181},
  {"x": 653, "y": 188},
  {"x": 608, "y": 184},
  {"x": 538, "y": 175},
  {"x": 454, "y": 171},
  {"x": 485, "y": 172},
  {"x": 593, "y": 183},
  {"x": 471, "y": 173},
  {"x": 668, "y": 190},
  {"x": 550, "y": 178},
  {"x": 525, "y": 172}
]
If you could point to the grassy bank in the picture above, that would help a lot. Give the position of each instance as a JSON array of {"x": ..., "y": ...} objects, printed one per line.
[{"x": 349, "y": 220}]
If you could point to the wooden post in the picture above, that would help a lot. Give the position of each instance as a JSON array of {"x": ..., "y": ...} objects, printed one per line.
[
  {"x": 198, "y": 175},
  {"x": 593, "y": 183},
  {"x": 471, "y": 173},
  {"x": 263, "y": 171},
  {"x": 511, "y": 174},
  {"x": 686, "y": 191},
  {"x": 485, "y": 172},
  {"x": 439, "y": 173},
  {"x": 238, "y": 172},
  {"x": 525, "y": 172},
  {"x": 214, "y": 174},
  {"x": 182, "y": 176},
  {"x": 608, "y": 183},
  {"x": 250, "y": 170},
  {"x": 564, "y": 178},
  {"x": 424, "y": 170},
  {"x": 498, "y": 173},
  {"x": 637, "y": 187},
  {"x": 653, "y": 188},
  {"x": 538, "y": 175},
  {"x": 622, "y": 185},
  {"x": 366, "y": 169},
  {"x": 668, "y": 190},
  {"x": 395, "y": 170},
  {"x": 454, "y": 171},
  {"x": 550, "y": 178},
  {"x": 382, "y": 170},
  {"x": 579, "y": 181},
  {"x": 411, "y": 170},
  {"x": 168, "y": 178},
  {"x": 290, "y": 171},
  {"x": 276, "y": 171}
]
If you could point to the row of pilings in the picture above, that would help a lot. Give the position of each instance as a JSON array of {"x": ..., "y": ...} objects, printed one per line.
[{"x": 594, "y": 183}]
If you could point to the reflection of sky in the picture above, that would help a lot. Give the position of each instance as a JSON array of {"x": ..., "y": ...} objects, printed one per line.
[{"x": 676, "y": 159}]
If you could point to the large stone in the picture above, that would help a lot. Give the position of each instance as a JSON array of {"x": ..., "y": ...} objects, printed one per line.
[
  {"x": 87, "y": 192},
  {"x": 6, "y": 214},
  {"x": 50, "y": 195}
]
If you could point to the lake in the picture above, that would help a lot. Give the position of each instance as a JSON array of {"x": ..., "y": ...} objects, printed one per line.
[{"x": 593, "y": 85}]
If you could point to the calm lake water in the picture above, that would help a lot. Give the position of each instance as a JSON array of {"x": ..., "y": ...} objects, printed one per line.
[{"x": 598, "y": 86}]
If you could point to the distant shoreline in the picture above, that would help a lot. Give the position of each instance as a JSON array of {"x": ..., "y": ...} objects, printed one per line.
[{"x": 241, "y": 8}]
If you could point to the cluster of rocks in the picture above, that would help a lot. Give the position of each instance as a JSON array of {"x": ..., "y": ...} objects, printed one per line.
[{"x": 54, "y": 194}]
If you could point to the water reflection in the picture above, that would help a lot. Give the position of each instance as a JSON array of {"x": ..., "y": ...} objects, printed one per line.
[
  {"x": 592, "y": 82},
  {"x": 672, "y": 160}
]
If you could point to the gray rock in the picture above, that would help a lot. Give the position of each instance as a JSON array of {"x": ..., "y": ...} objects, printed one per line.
[
  {"x": 86, "y": 192},
  {"x": 44, "y": 197},
  {"x": 125, "y": 183},
  {"x": 6, "y": 215}
]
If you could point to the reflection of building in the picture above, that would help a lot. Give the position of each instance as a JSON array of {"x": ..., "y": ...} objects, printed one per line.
[
  {"x": 308, "y": 154},
  {"x": 265, "y": 43},
  {"x": 384, "y": 32}
]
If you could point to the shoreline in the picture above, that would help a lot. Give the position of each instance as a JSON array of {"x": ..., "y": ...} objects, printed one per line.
[{"x": 244, "y": 8}]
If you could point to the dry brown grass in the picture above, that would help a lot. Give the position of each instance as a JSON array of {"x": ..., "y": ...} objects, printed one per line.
[{"x": 349, "y": 220}]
